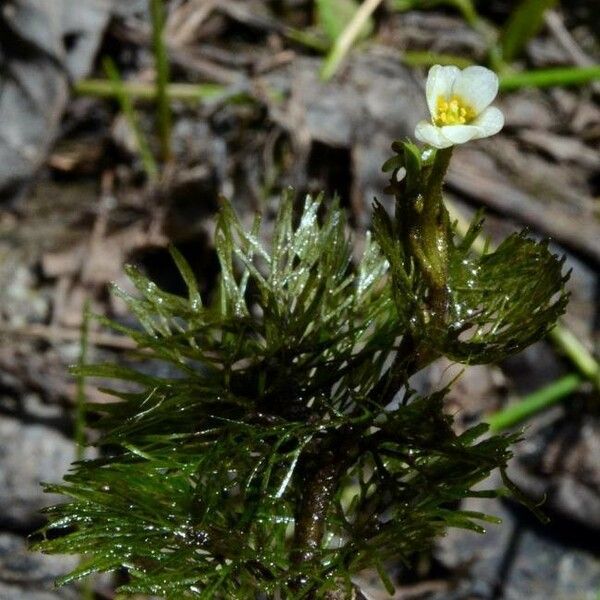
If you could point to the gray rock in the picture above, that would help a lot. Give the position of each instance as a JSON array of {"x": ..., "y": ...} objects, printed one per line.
[
  {"x": 29, "y": 454},
  {"x": 516, "y": 559},
  {"x": 482, "y": 555},
  {"x": 31, "y": 575},
  {"x": 42, "y": 46},
  {"x": 131, "y": 8},
  {"x": 562, "y": 465},
  {"x": 83, "y": 23},
  {"x": 545, "y": 570},
  {"x": 20, "y": 566},
  {"x": 12, "y": 592}
]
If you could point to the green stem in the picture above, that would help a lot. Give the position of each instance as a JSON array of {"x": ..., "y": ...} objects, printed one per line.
[
  {"x": 430, "y": 237},
  {"x": 321, "y": 481},
  {"x": 550, "y": 77},
  {"x": 310, "y": 526},
  {"x": 434, "y": 201},
  {"x": 566, "y": 341},
  {"x": 162, "y": 78},
  {"x": 185, "y": 92},
  {"x": 119, "y": 91},
  {"x": 345, "y": 41},
  {"x": 534, "y": 403}
]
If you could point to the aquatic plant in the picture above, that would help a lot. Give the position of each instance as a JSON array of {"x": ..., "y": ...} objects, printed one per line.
[{"x": 288, "y": 449}]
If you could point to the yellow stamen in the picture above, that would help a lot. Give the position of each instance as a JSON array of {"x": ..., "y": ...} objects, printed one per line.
[{"x": 453, "y": 111}]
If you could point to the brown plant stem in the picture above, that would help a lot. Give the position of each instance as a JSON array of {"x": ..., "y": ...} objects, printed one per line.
[
  {"x": 310, "y": 525},
  {"x": 333, "y": 456}
]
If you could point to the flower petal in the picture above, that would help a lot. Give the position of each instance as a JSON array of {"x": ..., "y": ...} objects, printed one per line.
[
  {"x": 476, "y": 85},
  {"x": 489, "y": 122},
  {"x": 432, "y": 135},
  {"x": 459, "y": 134},
  {"x": 439, "y": 83}
]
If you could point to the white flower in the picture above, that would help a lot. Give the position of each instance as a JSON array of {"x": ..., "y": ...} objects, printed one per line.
[{"x": 459, "y": 104}]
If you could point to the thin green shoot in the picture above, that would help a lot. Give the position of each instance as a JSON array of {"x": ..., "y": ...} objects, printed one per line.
[
  {"x": 511, "y": 81},
  {"x": 465, "y": 7},
  {"x": 206, "y": 92},
  {"x": 568, "y": 343},
  {"x": 523, "y": 24},
  {"x": 119, "y": 91},
  {"x": 534, "y": 403},
  {"x": 307, "y": 39},
  {"x": 563, "y": 76},
  {"x": 183, "y": 92},
  {"x": 333, "y": 16},
  {"x": 161, "y": 61},
  {"x": 347, "y": 38},
  {"x": 467, "y": 10}
]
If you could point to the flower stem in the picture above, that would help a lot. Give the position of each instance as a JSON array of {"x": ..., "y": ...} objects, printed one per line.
[{"x": 430, "y": 238}]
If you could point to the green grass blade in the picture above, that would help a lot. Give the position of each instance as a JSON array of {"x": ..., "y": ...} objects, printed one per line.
[
  {"x": 534, "y": 403},
  {"x": 524, "y": 23},
  {"x": 135, "y": 90},
  {"x": 580, "y": 356},
  {"x": 307, "y": 39},
  {"x": 347, "y": 38},
  {"x": 333, "y": 16},
  {"x": 119, "y": 91},
  {"x": 541, "y": 78},
  {"x": 465, "y": 7}
]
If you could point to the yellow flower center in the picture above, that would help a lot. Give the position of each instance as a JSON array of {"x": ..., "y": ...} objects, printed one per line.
[{"x": 453, "y": 111}]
